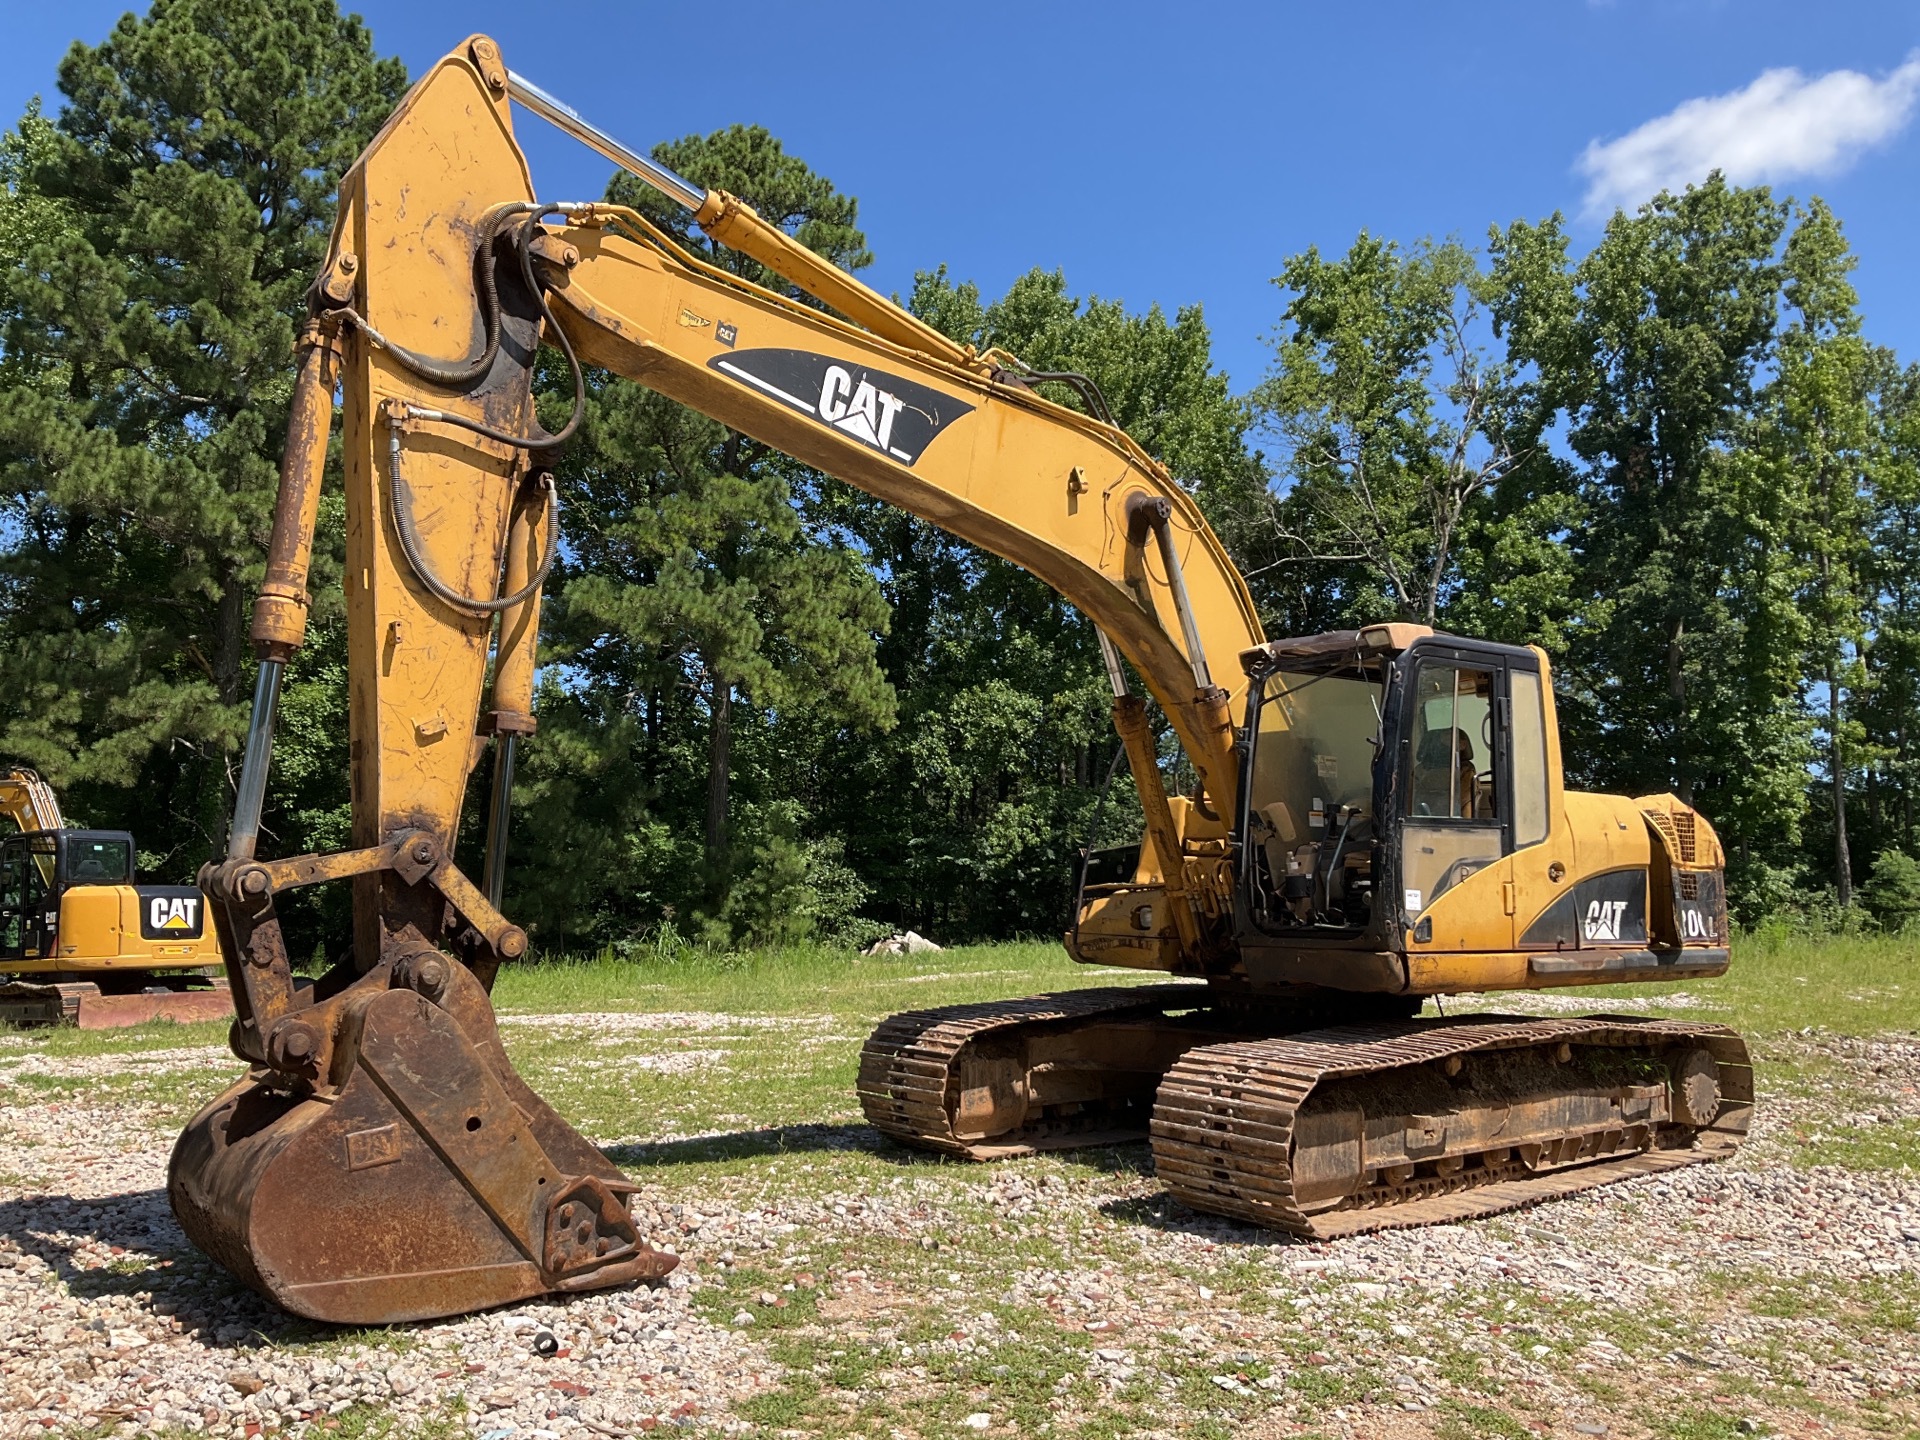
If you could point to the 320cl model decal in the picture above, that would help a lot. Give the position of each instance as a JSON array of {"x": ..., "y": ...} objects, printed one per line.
[{"x": 896, "y": 416}]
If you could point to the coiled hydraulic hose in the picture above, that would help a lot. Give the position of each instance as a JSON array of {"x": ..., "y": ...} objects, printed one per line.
[{"x": 455, "y": 374}]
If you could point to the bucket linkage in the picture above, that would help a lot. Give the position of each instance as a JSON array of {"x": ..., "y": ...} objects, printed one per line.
[{"x": 382, "y": 1161}]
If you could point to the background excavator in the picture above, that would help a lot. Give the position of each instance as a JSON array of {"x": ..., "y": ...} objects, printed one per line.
[
  {"x": 80, "y": 940},
  {"x": 1378, "y": 817}
]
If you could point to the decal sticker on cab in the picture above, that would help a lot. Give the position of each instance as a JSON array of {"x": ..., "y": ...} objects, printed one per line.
[{"x": 172, "y": 913}]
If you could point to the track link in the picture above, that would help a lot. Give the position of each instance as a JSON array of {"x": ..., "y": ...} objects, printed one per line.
[
  {"x": 1235, "y": 1124},
  {"x": 1321, "y": 1132}
]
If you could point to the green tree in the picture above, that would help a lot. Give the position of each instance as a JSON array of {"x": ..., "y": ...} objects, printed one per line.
[
  {"x": 1892, "y": 891},
  {"x": 699, "y": 597},
  {"x": 1823, "y": 441},
  {"x": 965, "y": 820},
  {"x": 1888, "y": 707},
  {"x": 1396, "y": 426},
  {"x": 1684, "y": 664},
  {"x": 159, "y": 236}
]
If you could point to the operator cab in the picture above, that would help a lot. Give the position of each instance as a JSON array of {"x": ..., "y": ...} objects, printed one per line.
[
  {"x": 39, "y": 867},
  {"x": 1384, "y": 767}
]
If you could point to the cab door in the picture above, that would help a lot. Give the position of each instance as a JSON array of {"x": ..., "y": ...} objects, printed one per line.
[
  {"x": 1455, "y": 790},
  {"x": 1475, "y": 791},
  {"x": 29, "y": 897},
  {"x": 13, "y": 887}
]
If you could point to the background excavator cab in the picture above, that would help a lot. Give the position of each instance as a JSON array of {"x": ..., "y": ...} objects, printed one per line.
[
  {"x": 81, "y": 940},
  {"x": 40, "y": 869}
]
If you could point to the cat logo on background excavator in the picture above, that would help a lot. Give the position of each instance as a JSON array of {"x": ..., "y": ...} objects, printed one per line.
[
  {"x": 886, "y": 413},
  {"x": 174, "y": 912}
]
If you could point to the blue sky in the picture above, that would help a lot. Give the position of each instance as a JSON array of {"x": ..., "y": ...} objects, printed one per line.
[{"x": 1178, "y": 153}]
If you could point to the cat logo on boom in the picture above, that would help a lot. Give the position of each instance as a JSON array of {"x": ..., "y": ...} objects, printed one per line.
[
  {"x": 863, "y": 410},
  {"x": 889, "y": 414}
]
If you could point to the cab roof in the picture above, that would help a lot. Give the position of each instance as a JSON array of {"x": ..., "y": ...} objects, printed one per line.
[{"x": 1333, "y": 648}]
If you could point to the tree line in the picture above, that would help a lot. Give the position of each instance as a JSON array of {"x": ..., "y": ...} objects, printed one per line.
[{"x": 773, "y": 709}]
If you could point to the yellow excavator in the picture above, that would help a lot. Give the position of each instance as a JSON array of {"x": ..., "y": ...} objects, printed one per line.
[
  {"x": 80, "y": 942},
  {"x": 1378, "y": 818}
]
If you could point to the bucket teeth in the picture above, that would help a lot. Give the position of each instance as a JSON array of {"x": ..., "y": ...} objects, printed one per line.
[{"x": 422, "y": 1178}]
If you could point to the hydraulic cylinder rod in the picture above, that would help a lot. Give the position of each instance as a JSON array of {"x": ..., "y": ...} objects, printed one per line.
[
  {"x": 243, "y": 837},
  {"x": 558, "y": 113}
]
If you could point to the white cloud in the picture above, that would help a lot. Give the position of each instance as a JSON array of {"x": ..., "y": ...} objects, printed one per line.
[{"x": 1782, "y": 126}]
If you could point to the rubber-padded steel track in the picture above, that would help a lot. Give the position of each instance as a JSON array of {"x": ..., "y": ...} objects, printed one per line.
[
  {"x": 1224, "y": 1120},
  {"x": 908, "y": 1063}
]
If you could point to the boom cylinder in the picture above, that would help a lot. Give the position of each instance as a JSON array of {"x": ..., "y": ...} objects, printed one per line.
[
  {"x": 1130, "y": 720},
  {"x": 280, "y": 612}
]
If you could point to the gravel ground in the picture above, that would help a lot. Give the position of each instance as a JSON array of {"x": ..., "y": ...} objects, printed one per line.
[{"x": 1584, "y": 1313}]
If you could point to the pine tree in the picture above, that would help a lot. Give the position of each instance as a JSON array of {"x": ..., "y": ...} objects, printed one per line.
[{"x": 163, "y": 230}]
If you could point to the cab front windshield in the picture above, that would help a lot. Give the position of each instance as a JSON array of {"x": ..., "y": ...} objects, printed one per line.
[{"x": 1312, "y": 796}]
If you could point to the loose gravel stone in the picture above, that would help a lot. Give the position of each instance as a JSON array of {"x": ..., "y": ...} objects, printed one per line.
[{"x": 113, "y": 1321}]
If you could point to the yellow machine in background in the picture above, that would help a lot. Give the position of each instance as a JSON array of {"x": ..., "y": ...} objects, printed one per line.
[
  {"x": 1379, "y": 816},
  {"x": 83, "y": 941}
]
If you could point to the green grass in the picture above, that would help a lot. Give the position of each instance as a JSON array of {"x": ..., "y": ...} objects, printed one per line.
[
  {"x": 177, "y": 1089},
  {"x": 808, "y": 980}
]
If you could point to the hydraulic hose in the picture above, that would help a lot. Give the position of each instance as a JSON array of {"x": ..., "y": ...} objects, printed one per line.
[
  {"x": 410, "y": 546},
  {"x": 453, "y": 374}
]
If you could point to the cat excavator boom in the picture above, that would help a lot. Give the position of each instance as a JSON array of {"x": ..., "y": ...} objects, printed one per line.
[{"x": 1378, "y": 815}]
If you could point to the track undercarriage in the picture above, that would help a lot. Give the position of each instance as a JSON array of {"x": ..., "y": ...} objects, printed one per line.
[{"x": 1314, "y": 1122}]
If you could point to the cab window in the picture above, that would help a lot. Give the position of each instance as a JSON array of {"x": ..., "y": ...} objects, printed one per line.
[
  {"x": 1529, "y": 751},
  {"x": 1453, "y": 751},
  {"x": 92, "y": 860}
]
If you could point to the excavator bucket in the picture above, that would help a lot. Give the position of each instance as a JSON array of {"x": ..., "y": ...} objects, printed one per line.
[{"x": 420, "y": 1178}]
